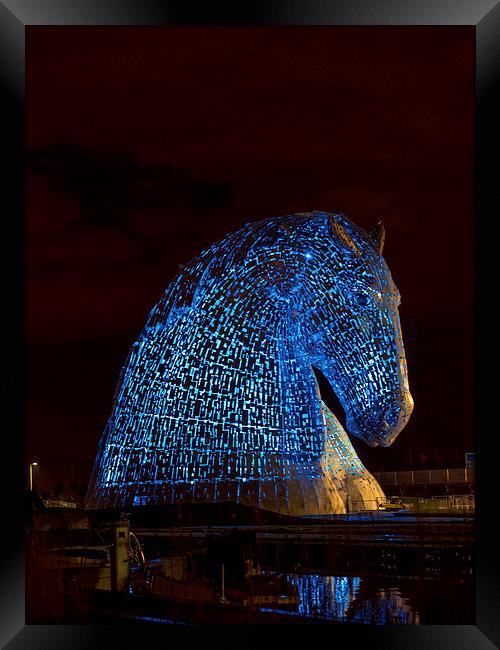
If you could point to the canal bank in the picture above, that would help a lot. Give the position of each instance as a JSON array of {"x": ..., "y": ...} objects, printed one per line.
[{"x": 392, "y": 567}]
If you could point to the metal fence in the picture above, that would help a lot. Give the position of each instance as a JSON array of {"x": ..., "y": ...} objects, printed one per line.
[
  {"x": 459, "y": 502},
  {"x": 361, "y": 505},
  {"x": 426, "y": 477},
  {"x": 54, "y": 503},
  {"x": 432, "y": 504}
]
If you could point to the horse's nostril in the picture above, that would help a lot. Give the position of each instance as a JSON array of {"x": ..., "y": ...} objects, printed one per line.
[{"x": 391, "y": 417}]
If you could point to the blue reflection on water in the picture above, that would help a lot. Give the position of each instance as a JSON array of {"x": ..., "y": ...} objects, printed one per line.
[
  {"x": 338, "y": 598},
  {"x": 328, "y": 596},
  {"x": 386, "y": 607}
]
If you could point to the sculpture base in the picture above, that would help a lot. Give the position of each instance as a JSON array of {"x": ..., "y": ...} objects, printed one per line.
[{"x": 295, "y": 497}]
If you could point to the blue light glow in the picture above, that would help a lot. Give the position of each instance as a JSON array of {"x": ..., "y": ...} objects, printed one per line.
[
  {"x": 341, "y": 599},
  {"x": 218, "y": 399},
  {"x": 386, "y": 607},
  {"x": 325, "y": 596}
]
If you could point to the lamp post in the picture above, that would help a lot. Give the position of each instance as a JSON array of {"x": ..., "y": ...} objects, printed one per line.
[{"x": 31, "y": 475}]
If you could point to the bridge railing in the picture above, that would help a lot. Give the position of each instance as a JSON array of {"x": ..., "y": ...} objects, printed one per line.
[{"x": 426, "y": 477}]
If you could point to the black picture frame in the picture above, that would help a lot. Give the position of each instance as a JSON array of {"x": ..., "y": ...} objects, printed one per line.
[{"x": 15, "y": 17}]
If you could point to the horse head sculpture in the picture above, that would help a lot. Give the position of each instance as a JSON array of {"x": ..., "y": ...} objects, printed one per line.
[
  {"x": 218, "y": 399},
  {"x": 349, "y": 318}
]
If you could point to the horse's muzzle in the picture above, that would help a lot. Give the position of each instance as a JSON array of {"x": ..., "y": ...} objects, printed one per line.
[
  {"x": 395, "y": 418},
  {"x": 382, "y": 427}
]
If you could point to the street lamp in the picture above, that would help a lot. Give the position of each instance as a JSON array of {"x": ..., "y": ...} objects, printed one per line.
[{"x": 31, "y": 474}]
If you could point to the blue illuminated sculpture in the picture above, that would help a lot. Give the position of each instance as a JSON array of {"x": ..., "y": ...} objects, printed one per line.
[{"x": 218, "y": 399}]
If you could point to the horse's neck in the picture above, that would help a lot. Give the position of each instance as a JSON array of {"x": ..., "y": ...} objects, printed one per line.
[{"x": 254, "y": 368}]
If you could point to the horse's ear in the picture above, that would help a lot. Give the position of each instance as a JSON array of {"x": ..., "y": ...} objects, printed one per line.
[
  {"x": 339, "y": 232},
  {"x": 377, "y": 236}
]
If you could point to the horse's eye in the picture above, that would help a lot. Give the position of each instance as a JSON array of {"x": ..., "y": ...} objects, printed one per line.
[{"x": 361, "y": 299}]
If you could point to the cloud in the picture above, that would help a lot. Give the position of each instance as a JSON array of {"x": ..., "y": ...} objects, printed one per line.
[{"x": 116, "y": 190}]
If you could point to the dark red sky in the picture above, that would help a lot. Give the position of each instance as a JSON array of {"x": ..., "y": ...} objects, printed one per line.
[{"x": 147, "y": 144}]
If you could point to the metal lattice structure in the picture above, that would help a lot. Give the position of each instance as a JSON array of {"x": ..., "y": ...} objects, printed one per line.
[{"x": 218, "y": 399}]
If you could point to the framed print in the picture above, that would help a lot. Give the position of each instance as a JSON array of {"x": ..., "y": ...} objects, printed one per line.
[{"x": 249, "y": 254}]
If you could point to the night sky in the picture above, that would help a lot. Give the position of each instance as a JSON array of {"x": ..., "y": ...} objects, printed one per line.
[{"x": 147, "y": 144}]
